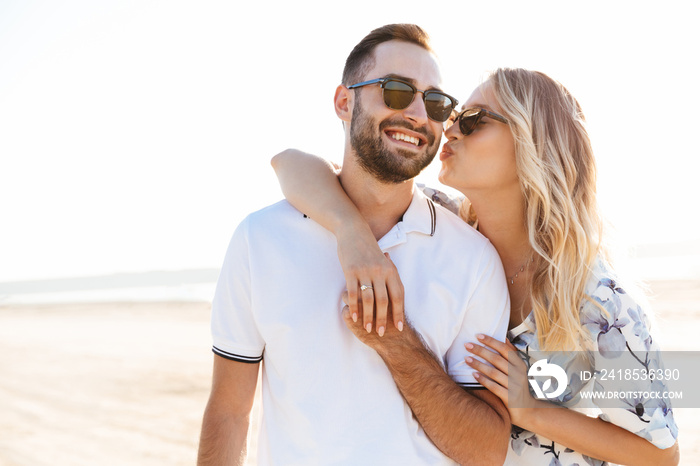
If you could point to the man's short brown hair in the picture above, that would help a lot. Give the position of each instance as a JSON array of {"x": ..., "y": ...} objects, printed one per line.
[{"x": 361, "y": 59}]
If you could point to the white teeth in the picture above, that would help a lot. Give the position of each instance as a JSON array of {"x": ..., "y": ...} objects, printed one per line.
[{"x": 406, "y": 138}]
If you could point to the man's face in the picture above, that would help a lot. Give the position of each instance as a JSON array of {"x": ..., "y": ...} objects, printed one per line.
[{"x": 395, "y": 145}]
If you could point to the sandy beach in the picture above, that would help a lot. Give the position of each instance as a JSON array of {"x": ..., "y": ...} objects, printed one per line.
[{"x": 116, "y": 384}]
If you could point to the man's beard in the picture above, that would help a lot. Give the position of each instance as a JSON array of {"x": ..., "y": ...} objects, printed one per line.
[{"x": 386, "y": 165}]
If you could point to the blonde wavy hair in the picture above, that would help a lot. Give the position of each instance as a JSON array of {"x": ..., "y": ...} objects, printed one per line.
[{"x": 557, "y": 174}]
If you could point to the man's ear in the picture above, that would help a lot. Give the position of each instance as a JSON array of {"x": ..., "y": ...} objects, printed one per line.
[{"x": 343, "y": 102}]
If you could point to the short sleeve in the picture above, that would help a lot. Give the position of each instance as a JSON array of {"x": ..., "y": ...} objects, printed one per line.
[
  {"x": 234, "y": 330},
  {"x": 623, "y": 338},
  {"x": 488, "y": 312}
]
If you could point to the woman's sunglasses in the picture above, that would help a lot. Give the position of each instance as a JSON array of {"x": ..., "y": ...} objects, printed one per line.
[
  {"x": 399, "y": 94},
  {"x": 469, "y": 119}
]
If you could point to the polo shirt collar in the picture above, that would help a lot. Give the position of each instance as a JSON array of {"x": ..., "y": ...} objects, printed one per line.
[{"x": 420, "y": 217}]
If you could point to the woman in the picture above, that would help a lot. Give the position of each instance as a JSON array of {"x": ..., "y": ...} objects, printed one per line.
[{"x": 521, "y": 156}]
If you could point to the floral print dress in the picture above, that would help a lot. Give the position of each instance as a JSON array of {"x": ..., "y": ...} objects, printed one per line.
[{"x": 622, "y": 331}]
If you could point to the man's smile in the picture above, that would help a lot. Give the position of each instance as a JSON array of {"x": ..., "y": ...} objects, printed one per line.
[{"x": 405, "y": 138}]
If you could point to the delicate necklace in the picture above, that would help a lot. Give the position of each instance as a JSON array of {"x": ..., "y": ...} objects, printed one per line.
[{"x": 512, "y": 278}]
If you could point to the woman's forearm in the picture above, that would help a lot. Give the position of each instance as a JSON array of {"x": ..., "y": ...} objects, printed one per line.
[
  {"x": 597, "y": 438},
  {"x": 311, "y": 184}
]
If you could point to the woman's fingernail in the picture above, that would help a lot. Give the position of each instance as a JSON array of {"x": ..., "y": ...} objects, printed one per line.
[
  {"x": 369, "y": 328},
  {"x": 480, "y": 336},
  {"x": 354, "y": 316},
  {"x": 380, "y": 331},
  {"x": 468, "y": 359},
  {"x": 469, "y": 346},
  {"x": 400, "y": 326},
  {"x": 476, "y": 375}
]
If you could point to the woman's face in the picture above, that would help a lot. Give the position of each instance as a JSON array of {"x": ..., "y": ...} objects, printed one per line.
[{"x": 483, "y": 160}]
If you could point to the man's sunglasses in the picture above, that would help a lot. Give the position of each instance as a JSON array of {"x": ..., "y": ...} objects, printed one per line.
[
  {"x": 469, "y": 119},
  {"x": 399, "y": 94}
]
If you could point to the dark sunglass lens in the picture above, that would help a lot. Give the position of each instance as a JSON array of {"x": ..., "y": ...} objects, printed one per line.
[
  {"x": 398, "y": 95},
  {"x": 438, "y": 106},
  {"x": 468, "y": 120}
]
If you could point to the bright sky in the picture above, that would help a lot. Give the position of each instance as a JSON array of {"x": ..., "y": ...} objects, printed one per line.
[{"x": 135, "y": 135}]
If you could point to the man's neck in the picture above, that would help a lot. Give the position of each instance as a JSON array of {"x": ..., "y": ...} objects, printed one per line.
[{"x": 381, "y": 204}]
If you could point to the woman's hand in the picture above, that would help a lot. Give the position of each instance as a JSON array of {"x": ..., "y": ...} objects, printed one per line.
[
  {"x": 507, "y": 379},
  {"x": 364, "y": 264},
  {"x": 590, "y": 436}
]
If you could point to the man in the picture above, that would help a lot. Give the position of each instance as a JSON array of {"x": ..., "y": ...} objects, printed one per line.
[{"x": 327, "y": 398}]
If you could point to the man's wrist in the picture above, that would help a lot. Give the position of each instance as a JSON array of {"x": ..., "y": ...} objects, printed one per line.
[{"x": 401, "y": 344}]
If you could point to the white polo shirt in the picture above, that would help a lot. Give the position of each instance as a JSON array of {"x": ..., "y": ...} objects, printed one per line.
[{"x": 328, "y": 398}]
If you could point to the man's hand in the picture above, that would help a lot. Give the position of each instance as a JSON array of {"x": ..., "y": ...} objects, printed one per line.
[{"x": 383, "y": 343}]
